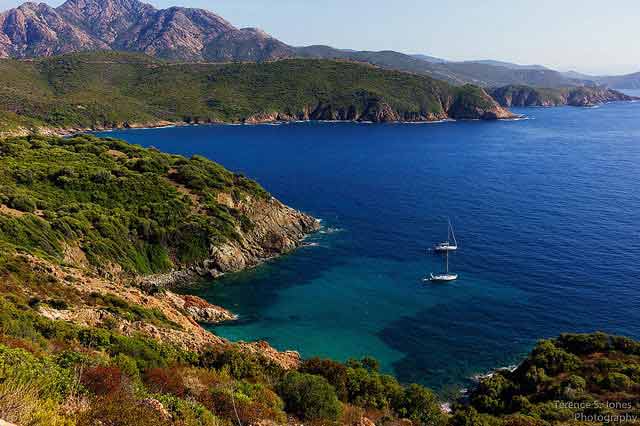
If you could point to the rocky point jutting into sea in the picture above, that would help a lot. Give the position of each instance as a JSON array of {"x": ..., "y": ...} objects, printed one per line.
[
  {"x": 585, "y": 96},
  {"x": 155, "y": 221}
]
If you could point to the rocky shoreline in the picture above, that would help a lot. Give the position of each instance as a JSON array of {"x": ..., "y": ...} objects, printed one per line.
[
  {"x": 376, "y": 111},
  {"x": 278, "y": 230}
]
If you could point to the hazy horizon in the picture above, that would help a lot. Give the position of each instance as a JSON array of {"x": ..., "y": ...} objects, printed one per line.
[{"x": 560, "y": 35}]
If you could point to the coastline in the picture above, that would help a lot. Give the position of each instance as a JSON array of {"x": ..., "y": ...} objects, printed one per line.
[
  {"x": 254, "y": 120},
  {"x": 266, "y": 229},
  {"x": 275, "y": 119}
]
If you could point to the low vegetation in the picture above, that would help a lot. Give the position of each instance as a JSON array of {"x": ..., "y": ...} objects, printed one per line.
[
  {"x": 135, "y": 209},
  {"x": 78, "y": 376},
  {"x": 574, "y": 379},
  {"x": 58, "y": 373},
  {"x": 109, "y": 89}
]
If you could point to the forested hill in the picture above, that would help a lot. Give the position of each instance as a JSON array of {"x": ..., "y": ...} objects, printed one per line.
[{"x": 107, "y": 89}]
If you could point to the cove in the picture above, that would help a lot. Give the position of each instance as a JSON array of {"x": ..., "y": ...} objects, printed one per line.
[{"x": 546, "y": 212}]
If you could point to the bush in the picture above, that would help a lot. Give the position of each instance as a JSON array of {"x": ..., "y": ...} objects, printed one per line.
[
  {"x": 492, "y": 393},
  {"x": 617, "y": 382},
  {"x": 241, "y": 365},
  {"x": 23, "y": 203},
  {"x": 421, "y": 406},
  {"x": 309, "y": 397},
  {"x": 583, "y": 344},
  {"x": 58, "y": 304},
  {"x": 232, "y": 403},
  {"x": 120, "y": 409},
  {"x": 24, "y": 404},
  {"x": 552, "y": 359},
  {"x": 575, "y": 384},
  {"x": 165, "y": 380},
  {"x": 333, "y": 371},
  {"x": 102, "y": 380}
]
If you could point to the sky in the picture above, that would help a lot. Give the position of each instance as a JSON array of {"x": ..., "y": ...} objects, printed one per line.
[{"x": 589, "y": 36}]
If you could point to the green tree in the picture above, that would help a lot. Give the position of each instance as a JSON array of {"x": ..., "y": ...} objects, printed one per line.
[{"x": 309, "y": 397}]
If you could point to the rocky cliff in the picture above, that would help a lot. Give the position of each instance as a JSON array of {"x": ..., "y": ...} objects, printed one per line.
[
  {"x": 525, "y": 96},
  {"x": 276, "y": 229},
  {"x": 379, "y": 111}
]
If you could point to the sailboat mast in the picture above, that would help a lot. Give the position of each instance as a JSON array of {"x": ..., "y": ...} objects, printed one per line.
[
  {"x": 446, "y": 257},
  {"x": 452, "y": 234}
]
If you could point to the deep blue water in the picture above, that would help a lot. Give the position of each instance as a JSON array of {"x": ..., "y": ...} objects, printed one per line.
[{"x": 547, "y": 214}]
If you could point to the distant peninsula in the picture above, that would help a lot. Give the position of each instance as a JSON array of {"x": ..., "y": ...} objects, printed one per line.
[
  {"x": 102, "y": 90},
  {"x": 584, "y": 96}
]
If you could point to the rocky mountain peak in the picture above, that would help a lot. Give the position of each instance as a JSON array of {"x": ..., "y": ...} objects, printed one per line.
[
  {"x": 131, "y": 25},
  {"x": 112, "y": 6}
]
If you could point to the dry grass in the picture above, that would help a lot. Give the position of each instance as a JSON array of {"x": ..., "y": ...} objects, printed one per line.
[{"x": 20, "y": 403}]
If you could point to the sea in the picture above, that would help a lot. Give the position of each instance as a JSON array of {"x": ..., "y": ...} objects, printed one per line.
[{"x": 546, "y": 211}]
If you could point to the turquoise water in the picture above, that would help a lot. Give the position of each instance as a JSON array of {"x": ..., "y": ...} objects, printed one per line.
[{"x": 547, "y": 214}]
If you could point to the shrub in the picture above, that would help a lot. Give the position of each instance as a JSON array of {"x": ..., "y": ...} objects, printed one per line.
[
  {"x": 32, "y": 389},
  {"x": 58, "y": 304},
  {"x": 334, "y": 372},
  {"x": 241, "y": 365},
  {"x": 165, "y": 380},
  {"x": 23, "y": 203},
  {"x": 492, "y": 393},
  {"x": 102, "y": 380},
  {"x": 553, "y": 359},
  {"x": 24, "y": 404},
  {"x": 421, "y": 406},
  {"x": 309, "y": 397},
  {"x": 366, "y": 389},
  {"x": 584, "y": 344},
  {"x": 120, "y": 409},
  {"x": 617, "y": 382},
  {"x": 189, "y": 413},
  {"x": 575, "y": 384},
  {"x": 231, "y": 403}
]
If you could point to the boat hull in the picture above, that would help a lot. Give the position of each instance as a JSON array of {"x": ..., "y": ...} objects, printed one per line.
[
  {"x": 443, "y": 278},
  {"x": 441, "y": 249}
]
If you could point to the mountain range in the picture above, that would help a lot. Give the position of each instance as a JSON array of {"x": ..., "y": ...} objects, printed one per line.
[
  {"x": 197, "y": 35},
  {"x": 176, "y": 33}
]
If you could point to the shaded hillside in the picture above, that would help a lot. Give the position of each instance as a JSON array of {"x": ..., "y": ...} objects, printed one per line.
[
  {"x": 525, "y": 96},
  {"x": 95, "y": 90},
  {"x": 481, "y": 73},
  {"x": 629, "y": 81}
]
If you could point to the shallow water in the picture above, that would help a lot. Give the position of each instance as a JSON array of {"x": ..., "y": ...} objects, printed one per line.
[{"x": 546, "y": 211}]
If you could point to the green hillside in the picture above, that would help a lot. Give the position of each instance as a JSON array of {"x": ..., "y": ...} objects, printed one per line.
[
  {"x": 78, "y": 218},
  {"x": 575, "y": 379},
  {"x": 111, "y": 89},
  {"x": 141, "y": 209}
]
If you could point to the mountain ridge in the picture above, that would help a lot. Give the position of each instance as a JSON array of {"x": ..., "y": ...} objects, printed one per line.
[
  {"x": 197, "y": 35},
  {"x": 175, "y": 33}
]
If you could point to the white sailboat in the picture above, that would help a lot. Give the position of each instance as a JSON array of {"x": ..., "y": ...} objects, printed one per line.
[
  {"x": 445, "y": 276},
  {"x": 444, "y": 248},
  {"x": 447, "y": 245}
]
